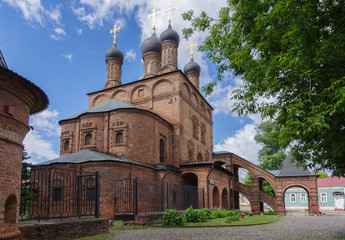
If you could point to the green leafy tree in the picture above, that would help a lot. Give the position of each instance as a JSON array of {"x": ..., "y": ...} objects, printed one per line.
[
  {"x": 271, "y": 156},
  {"x": 290, "y": 55},
  {"x": 322, "y": 174}
]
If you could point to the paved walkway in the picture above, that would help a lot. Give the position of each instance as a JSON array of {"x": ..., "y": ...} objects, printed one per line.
[{"x": 330, "y": 226}]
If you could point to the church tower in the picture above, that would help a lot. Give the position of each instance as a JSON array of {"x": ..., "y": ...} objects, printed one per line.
[
  {"x": 151, "y": 50},
  {"x": 170, "y": 41},
  {"x": 192, "y": 69},
  {"x": 114, "y": 60}
]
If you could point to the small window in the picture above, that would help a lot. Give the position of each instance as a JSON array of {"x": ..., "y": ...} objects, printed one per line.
[
  {"x": 195, "y": 130},
  {"x": 148, "y": 67},
  {"x": 323, "y": 197},
  {"x": 57, "y": 194},
  {"x": 303, "y": 197},
  {"x": 66, "y": 145},
  {"x": 292, "y": 197},
  {"x": 88, "y": 139},
  {"x": 119, "y": 137},
  {"x": 161, "y": 150},
  {"x": 140, "y": 92},
  {"x": 190, "y": 155}
]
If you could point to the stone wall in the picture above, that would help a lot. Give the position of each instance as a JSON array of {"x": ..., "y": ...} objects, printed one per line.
[{"x": 64, "y": 230}]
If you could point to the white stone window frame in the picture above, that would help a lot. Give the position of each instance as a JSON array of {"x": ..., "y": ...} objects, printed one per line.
[
  {"x": 123, "y": 128},
  {"x": 323, "y": 197},
  {"x": 66, "y": 137},
  {"x": 83, "y": 132},
  {"x": 292, "y": 197},
  {"x": 303, "y": 197}
]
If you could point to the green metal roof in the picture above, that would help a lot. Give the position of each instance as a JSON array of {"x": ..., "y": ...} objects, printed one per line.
[
  {"x": 87, "y": 155},
  {"x": 108, "y": 106}
]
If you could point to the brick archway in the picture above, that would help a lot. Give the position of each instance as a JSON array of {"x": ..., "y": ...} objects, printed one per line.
[{"x": 280, "y": 180}]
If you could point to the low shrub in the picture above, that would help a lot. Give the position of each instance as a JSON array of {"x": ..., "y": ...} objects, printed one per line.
[
  {"x": 232, "y": 219},
  {"x": 196, "y": 215},
  {"x": 230, "y": 213},
  {"x": 219, "y": 214},
  {"x": 173, "y": 218},
  {"x": 236, "y": 212},
  {"x": 270, "y": 213}
]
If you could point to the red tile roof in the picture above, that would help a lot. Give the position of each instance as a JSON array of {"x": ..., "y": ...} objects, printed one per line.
[{"x": 331, "y": 182}]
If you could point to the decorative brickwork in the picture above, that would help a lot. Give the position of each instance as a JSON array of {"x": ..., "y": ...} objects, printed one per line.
[{"x": 18, "y": 99}]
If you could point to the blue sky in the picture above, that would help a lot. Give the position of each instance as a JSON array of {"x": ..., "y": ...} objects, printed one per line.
[{"x": 60, "y": 46}]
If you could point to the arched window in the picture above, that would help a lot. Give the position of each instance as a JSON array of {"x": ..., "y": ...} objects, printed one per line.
[
  {"x": 190, "y": 156},
  {"x": 66, "y": 145},
  {"x": 119, "y": 137},
  {"x": 148, "y": 67},
  {"x": 88, "y": 139},
  {"x": 161, "y": 150}
]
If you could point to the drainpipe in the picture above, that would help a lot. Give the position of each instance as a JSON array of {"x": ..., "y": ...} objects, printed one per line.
[
  {"x": 162, "y": 189},
  {"x": 208, "y": 191}
]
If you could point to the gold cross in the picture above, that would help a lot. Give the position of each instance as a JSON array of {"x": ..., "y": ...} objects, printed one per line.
[
  {"x": 191, "y": 46},
  {"x": 169, "y": 10},
  {"x": 153, "y": 16},
  {"x": 114, "y": 31}
]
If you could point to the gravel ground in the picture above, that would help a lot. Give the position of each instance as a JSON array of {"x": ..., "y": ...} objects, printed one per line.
[{"x": 330, "y": 226}]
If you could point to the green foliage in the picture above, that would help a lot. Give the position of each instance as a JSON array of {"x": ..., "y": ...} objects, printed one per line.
[
  {"x": 266, "y": 187},
  {"x": 322, "y": 174},
  {"x": 196, "y": 215},
  {"x": 173, "y": 218},
  {"x": 270, "y": 213},
  {"x": 290, "y": 55},
  {"x": 233, "y": 219},
  {"x": 230, "y": 213},
  {"x": 271, "y": 156},
  {"x": 218, "y": 214}
]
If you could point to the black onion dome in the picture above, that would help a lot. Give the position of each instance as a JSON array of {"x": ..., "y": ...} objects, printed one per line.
[
  {"x": 114, "y": 53},
  {"x": 192, "y": 67},
  {"x": 151, "y": 45},
  {"x": 170, "y": 35}
]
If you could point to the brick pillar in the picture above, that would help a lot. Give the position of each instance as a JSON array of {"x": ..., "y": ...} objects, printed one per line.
[
  {"x": 152, "y": 64},
  {"x": 255, "y": 199},
  {"x": 114, "y": 72},
  {"x": 169, "y": 56},
  {"x": 194, "y": 78},
  {"x": 280, "y": 205}
]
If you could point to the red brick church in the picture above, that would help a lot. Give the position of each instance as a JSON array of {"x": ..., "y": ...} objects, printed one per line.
[{"x": 158, "y": 128}]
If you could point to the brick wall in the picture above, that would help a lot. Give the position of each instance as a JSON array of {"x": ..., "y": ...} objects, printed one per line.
[{"x": 64, "y": 230}]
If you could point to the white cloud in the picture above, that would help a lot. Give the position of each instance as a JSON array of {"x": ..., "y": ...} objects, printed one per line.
[
  {"x": 67, "y": 56},
  {"x": 39, "y": 148},
  {"x": 59, "y": 34},
  {"x": 33, "y": 10},
  {"x": 130, "y": 55},
  {"x": 38, "y": 142},
  {"x": 80, "y": 31},
  {"x": 47, "y": 122},
  {"x": 54, "y": 14},
  {"x": 242, "y": 143}
]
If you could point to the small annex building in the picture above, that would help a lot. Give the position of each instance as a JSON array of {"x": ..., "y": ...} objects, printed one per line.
[{"x": 331, "y": 195}]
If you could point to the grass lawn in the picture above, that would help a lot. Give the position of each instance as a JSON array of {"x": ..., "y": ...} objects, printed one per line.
[
  {"x": 119, "y": 225},
  {"x": 247, "y": 220}
]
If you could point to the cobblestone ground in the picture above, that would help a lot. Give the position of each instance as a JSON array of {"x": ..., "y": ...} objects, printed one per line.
[{"x": 330, "y": 226}]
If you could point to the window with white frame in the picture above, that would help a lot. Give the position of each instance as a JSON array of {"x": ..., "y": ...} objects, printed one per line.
[
  {"x": 292, "y": 197},
  {"x": 303, "y": 197},
  {"x": 323, "y": 197}
]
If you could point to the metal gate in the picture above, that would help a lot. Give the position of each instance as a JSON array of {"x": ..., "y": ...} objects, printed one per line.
[
  {"x": 134, "y": 196},
  {"x": 48, "y": 192}
]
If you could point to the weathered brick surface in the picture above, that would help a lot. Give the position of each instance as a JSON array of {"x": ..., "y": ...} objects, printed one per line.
[
  {"x": 21, "y": 96},
  {"x": 64, "y": 230}
]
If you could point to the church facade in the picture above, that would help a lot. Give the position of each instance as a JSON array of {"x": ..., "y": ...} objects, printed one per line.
[{"x": 158, "y": 128}]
